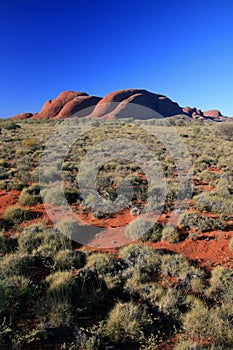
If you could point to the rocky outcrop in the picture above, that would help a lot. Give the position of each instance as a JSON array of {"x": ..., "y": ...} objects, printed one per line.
[
  {"x": 212, "y": 113},
  {"x": 120, "y": 104},
  {"x": 22, "y": 116},
  {"x": 83, "y": 105},
  {"x": 51, "y": 108},
  {"x": 198, "y": 114},
  {"x": 137, "y": 103}
]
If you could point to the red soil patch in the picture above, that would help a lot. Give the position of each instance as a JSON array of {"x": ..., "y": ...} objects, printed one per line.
[
  {"x": 209, "y": 249},
  {"x": 7, "y": 198},
  {"x": 215, "y": 170}
]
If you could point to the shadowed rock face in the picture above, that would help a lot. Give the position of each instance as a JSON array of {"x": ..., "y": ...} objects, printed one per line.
[
  {"x": 198, "y": 114},
  {"x": 77, "y": 105},
  {"x": 125, "y": 98},
  {"x": 53, "y": 107},
  {"x": 117, "y": 104}
]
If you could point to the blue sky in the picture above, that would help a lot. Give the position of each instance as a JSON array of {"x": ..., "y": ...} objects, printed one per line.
[{"x": 182, "y": 49}]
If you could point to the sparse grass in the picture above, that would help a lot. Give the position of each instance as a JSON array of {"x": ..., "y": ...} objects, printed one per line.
[{"x": 44, "y": 282}]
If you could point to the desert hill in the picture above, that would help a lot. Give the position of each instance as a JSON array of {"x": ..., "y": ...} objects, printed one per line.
[{"x": 67, "y": 103}]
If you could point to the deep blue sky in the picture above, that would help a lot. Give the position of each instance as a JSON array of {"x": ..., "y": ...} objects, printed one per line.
[{"x": 183, "y": 49}]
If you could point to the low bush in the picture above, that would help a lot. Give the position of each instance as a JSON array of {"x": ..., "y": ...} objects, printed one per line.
[
  {"x": 214, "y": 324},
  {"x": 61, "y": 291},
  {"x": 144, "y": 230},
  {"x": 221, "y": 283},
  {"x": 231, "y": 244},
  {"x": 208, "y": 176},
  {"x": 127, "y": 322},
  {"x": 72, "y": 195},
  {"x": 16, "y": 215},
  {"x": 142, "y": 261},
  {"x": 138, "y": 228},
  {"x": 19, "y": 264},
  {"x": 15, "y": 293},
  {"x": 45, "y": 243},
  {"x": 61, "y": 286},
  {"x": 226, "y": 131},
  {"x": 7, "y": 244},
  {"x": 9, "y": 125},
  {"x": 54, "y": 196},
  {"x": 30, "y": 196},
  {"x": 104, "y": 264},
  {"x": 195, "y": 221},
  {"x": 171, "y": 234},
  {"x": 175, "y": 265},
  {"x": 30, "y": 143},
  {"x": 212, "y": 202},
  {"x": 70, "y": 228},
  {"x": 184, "y": 344},
  {"x": 68, "y": 259}
]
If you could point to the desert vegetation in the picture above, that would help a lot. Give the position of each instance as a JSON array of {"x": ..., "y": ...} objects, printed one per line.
[{"x": 171, "y": 287}]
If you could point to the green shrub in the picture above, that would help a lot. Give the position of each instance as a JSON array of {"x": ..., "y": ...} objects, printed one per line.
[
  {"x": 61, "y": 285},
  {"x": 226, "y": 130},
  {"x": 91, "y": 286},
  {"x": 68, "y": 259},
  {"x": 141, "y": 260},
  {"x": 196, "y": 321},
  {"x": 45, "y": 243},
  {"x": 144, "y": 230},
  {"x": 195, "y": 221},
  {"x": 221, "y": 282},
  {"x": 231, "y": 244},
  {"x": 208, "y": 176},
  {"x": 15, "y": 293},
  {"x": 224, "y": 187},
  {"x": 30, "y": 196},
  {"x": 15, "y": 185},
  {"x": 61, "y": 291},
  {"x": 19, "y": 264},
  {"x": 154, "y": 234},
  {"x": 137, "y": 228},
  {"x": 9, "y": 125},
  {"x": 3, "y": 184},
  {"x": 3, "y": 163},
  {"x": 175, "y": 265},
  {"x": 214, "y": 324},
  {"x": 212, "y": 202},
  {"x": 170, "y": 302},
  {"x": 184, "y": 344},
  {"x": 171, "y": 234},
  {"x": 16, "y": 215},
  {"x": 127, "y": 322},
  {"x": 53, "y": 196},
  {"x": 104, "y": 264},
  {"x": 7, "y": 244}
]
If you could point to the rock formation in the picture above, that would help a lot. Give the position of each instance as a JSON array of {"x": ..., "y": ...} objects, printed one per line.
[{"x": 137, "y": 103}]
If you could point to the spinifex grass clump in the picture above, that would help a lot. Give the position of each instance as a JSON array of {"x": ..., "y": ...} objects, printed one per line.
[
  {"x": 30, "y": 196},
  {"x": 15, "y": 215}
]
